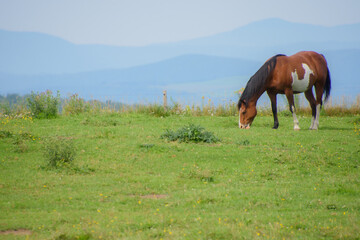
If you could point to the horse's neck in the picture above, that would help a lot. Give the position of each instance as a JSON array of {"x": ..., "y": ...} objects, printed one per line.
[{"x": 256, "y": 96}]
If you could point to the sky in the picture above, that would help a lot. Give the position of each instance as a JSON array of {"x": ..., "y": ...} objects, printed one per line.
[{"x": 145, "y": 22}]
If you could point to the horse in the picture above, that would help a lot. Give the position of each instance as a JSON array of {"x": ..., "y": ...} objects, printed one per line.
[{"x": 287, "y": 75}]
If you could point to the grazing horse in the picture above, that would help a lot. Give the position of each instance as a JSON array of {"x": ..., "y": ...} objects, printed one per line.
[{"x": 287, "y": 75}]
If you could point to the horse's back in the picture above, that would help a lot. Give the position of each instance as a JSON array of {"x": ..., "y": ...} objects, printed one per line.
[
  {"x": 314, "y": 60},
  {"x": 299, "y": 72}
]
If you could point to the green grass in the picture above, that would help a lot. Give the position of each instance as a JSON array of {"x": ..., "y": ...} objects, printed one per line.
[{"x": 128, "y": 183}]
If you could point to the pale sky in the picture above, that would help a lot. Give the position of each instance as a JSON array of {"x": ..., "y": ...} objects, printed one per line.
[{"x": 144, "y": 22}]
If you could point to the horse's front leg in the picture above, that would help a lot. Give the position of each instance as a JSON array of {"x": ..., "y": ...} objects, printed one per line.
[
  {"x": 290, "y": 97},
  {"x": 272, "y": 97}
]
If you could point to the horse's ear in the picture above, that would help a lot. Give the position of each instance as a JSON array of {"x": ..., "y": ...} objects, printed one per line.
[{"x": 242, "y": 102}]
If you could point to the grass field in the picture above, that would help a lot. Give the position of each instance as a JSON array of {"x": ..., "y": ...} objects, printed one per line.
[{"x": 128, "y": 183}]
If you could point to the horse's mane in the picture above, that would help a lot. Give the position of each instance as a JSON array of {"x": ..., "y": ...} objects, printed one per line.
[{"x": 258, "y": 80}]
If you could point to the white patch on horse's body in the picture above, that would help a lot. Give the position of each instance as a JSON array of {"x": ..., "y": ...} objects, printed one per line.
[{"x": 301, "y": 85}]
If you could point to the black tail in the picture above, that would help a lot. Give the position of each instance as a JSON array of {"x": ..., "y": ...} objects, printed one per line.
[{"x": 327, "y": 87}]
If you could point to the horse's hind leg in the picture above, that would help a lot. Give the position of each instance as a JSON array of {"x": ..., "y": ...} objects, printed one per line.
[
  {"x": 310, "y": 97},
  {"x": 290, "y": 97}
]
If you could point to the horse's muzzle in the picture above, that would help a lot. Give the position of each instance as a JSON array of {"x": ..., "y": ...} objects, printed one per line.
[{"x": 244, "y": 126}]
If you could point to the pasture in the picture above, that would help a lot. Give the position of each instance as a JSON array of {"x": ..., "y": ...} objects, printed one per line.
[{"x": 128, "y": 183}]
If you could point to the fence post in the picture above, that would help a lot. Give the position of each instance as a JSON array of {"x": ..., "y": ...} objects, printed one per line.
[{"x": 165, "y": 99}]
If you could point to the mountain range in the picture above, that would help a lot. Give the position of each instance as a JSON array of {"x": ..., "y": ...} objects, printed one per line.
[{"x": 214, "y": 66}]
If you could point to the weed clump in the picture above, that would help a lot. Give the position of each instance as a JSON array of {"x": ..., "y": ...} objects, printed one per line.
[
  {"x": 190, "y": 133},
  {"x": 86, "y": 236},
  {"x": 59, "y": 152},
  {"x": 75, "y": 105},
  {"x": 44, "y": 105},
  {"x": 5, "y": 134}
]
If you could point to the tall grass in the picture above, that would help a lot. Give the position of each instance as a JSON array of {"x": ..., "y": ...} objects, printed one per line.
[{"x": 76, "y": 105}]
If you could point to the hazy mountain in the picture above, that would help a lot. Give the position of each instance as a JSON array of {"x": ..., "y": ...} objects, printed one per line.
[
  {"x": 141, "y": 82},
  {"x": 184, "y": 76},
  {"x": 36, "y": 53},
  {"x": 210, "y": 66}
]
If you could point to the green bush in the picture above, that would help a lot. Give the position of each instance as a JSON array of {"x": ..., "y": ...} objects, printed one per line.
[
  {"x": 44, "y": 105},
  {"x": 5, "y": 134},
  {"x": 75, "y": 105},
  {"x": 5, "y": 108},
  {"x": 59, "y": 152},
  {"x": 190, "y": 133}
]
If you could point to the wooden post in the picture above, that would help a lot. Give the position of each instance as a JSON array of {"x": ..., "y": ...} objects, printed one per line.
[{"x": 165, "y": 99}]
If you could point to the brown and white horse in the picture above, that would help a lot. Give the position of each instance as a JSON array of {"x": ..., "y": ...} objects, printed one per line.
[{"x": 287, "y": 75}]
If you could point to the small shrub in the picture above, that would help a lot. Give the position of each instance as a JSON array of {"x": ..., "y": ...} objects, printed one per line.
[
  {"x": 5, "y": 134},
  {"x": 190, "y": 133},
  {"x": 5, "y": 108},
  {"x": 44, "y": 105},
  {"x": 244, "y": 142},
  {"x": 146, "y": 146},
  {"x": 59, "y": 152},
  {"x": 75, "y": 105},
  {"x": 86, "y": 236}
]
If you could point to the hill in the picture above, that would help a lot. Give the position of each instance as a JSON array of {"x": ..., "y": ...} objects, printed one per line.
[
  {"x": 185, "y": 77},
  {"x": 37, "y": 53},
  {"x": 142, "y": 82},
  {"x": 213, "y": 66}
]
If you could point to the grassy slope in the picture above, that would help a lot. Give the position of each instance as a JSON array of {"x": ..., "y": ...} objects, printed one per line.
[{"x": 260, "y": 183}]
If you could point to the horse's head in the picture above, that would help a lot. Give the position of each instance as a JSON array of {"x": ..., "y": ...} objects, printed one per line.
[{"x": 247, "y": 113}]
